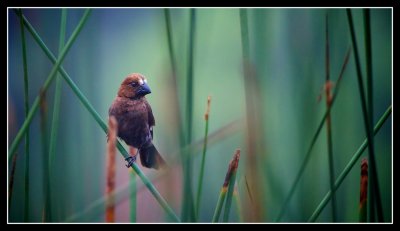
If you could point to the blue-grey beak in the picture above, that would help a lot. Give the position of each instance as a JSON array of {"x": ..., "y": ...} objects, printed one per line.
[{"x": 144, "y": 89}]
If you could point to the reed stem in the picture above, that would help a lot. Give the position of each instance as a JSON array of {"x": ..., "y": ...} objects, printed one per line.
[{"x": 203, "y": 159}]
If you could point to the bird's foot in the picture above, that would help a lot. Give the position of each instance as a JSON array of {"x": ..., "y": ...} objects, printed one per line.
[{"x": 130, "y": 160}]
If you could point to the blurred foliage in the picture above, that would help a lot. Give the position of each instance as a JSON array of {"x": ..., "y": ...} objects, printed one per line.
[{"x": 287, "y": 52}]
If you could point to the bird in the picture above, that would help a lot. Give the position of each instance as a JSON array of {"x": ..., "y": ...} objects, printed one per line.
[{"x": 135, "y": 120}]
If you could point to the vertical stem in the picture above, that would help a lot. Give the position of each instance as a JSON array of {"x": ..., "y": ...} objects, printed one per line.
[
  {"x": 253, "y": 122},
  {"x": 374, "y": 184},
  {"x": 188, "y": 207},
  {"x": 174, "y": 84},
  {"x": 46, "y": 175},
  {"x": 111, "y": 153},
  {"x": 26, "y": 103},
  {"x": 364, "y": 190},
  {"x": 368, "y": 52},
  {"x": 203, "y": 159},
  {"x": 328, "y": 122},
  {"x": 167, "y": 15},
  {"x": 132, "y": 202},
  {"x": 132, "y": 197},
  {"x": 174, "y": 88},
  {"x": 56, "y": 107}
]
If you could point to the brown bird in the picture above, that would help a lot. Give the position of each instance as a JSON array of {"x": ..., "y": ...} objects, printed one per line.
[{"x": 135, "y": 120}]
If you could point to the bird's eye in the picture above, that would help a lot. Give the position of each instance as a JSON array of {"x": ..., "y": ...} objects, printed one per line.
[{"x": 134, "y": 84}]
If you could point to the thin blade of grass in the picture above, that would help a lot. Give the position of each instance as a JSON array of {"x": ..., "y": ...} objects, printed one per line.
[
  {"x": 56, "y": 106},
  {"x": 363, "y": 190},
  {"x": 46, "y": 84},
  {"x": 26, "y": 108},
  {"x": 329, "y": 122},
  {"x": 313, "y": 140},
  {"x": 98, "y": 119},
  {"x": 349, "y": 166},
  {"x": 248, "y": 190},
  {"x": 203, "y": 158},
  {"x": 374, "y": 184}
]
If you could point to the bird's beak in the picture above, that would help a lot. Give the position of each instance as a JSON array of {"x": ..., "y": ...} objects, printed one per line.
[{"x": 144, "y": 89}]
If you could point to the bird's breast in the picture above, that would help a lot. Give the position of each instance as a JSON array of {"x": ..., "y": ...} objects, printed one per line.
[{"x": 133, "y": 125}]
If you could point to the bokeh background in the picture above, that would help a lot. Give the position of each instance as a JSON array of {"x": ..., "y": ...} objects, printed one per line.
[{"x": 287, "y": 51}]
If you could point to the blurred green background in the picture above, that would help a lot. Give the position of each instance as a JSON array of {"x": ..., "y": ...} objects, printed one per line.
[{"x": 287, "y": 50}]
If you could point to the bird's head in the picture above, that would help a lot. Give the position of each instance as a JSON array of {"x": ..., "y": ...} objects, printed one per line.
[{"x": 134, "y": 87}]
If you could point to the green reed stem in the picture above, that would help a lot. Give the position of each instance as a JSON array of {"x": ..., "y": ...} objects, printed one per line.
[
  {"x": 329, "y": 123},
  {"x": 229, "y": 194},
  {"x": 26, "y": 103},
  {"x": 368, "y": 53},
  {"x": 46, "y": 84},
  {"x": 188, "y": 211},
  {"x": 374, "y": 184},
  {"x": 168, "y": 26},
  {"x": 56, "y": 106},
  {"x": 349, "y": 166},
  {"x": 45, "y": 152},
  {"x": 203, "y": 159},
  {"x": 314, "y": 139},
  {"x": 220, "y": 203}
]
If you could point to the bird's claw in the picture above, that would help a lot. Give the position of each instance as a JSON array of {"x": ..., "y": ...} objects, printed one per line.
[{"x": 130, "y": 160}]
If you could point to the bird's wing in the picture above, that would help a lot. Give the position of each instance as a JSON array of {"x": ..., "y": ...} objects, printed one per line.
[{"x": 150, "y": 117}]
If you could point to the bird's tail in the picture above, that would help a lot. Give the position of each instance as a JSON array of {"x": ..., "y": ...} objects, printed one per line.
[{"x": 151, "y": 158}]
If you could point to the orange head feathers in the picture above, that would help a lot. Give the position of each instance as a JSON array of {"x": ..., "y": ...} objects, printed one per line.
[{"x": 134, "y": 87}]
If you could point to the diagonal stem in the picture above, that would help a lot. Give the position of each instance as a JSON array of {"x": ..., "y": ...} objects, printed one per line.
[
  {"x": 46, "y": 84},
  {"x": 101, "y": 123},
  {"x": 349, "y": 166}
]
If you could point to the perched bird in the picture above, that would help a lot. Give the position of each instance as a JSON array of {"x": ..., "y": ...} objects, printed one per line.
[{"x": 135, "y": 120}]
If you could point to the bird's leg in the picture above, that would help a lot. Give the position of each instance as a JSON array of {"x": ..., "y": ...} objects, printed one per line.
[{"x": 132, "y": 158}]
